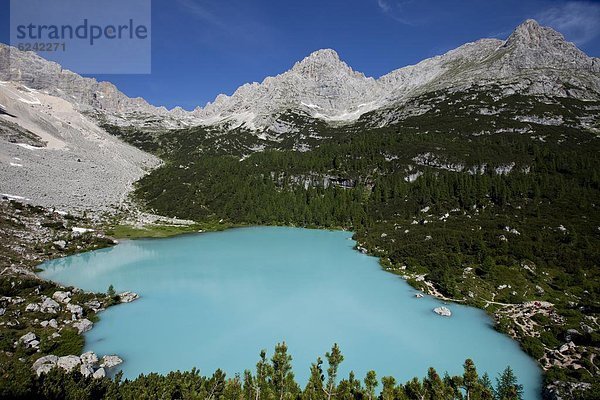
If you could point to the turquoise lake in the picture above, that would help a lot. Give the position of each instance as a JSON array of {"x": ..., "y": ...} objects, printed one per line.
[{"x": 215, "y": 300}]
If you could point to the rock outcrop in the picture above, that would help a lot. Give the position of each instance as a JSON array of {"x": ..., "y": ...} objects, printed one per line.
[{"x": 87, "y": 364}]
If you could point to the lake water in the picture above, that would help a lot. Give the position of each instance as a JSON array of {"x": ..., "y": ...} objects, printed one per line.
[{"x": 215, "y": 300}]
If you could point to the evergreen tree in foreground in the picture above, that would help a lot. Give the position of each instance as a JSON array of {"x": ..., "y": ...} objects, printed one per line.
[{"x": 507, "y": 387}]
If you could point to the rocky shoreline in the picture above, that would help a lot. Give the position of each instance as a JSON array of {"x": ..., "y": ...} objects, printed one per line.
[
  {"x": 519, "y": 322},
  {"x": 46, "y": 321}
]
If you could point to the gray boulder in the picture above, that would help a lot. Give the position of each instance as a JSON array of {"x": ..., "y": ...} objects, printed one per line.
[
  {"x": 86, "y": 370},
  {"x": 128, "y": 297},
  {"x": 46, "y": 360},
  {"x": 28, "y": 338},
  {"x": 62, "y": 297},
  {"x": 110, "y": 361},
  {"x": 443, "y": 311},
  {"x": 99, "y": 373},
  {"x": 76, "y": 310},
  {"x": 83, "y": 326},
  {"x": 44, "y": 369},
  {"x": 33, "y": 307},
  {"x": 61, "y": 244},
  {"x": 94, "y": 305},
  {"x": 50, "y": 306},
  {"x": 89, "y": 358},
  {"x": 68, "y": 363}
]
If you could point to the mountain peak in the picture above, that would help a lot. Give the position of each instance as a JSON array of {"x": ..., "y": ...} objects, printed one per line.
[
  {"x": 531, "y": 34},
  {"x": 321, "y": 61},
  {"x": 324, "y": 54}
]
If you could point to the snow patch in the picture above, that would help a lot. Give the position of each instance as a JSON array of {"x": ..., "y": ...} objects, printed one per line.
[
  {"x": 310, "y": 105},
  {"x": 33, "y": 102},
  {"x": 13, "y": 197},
  {"x": 28, "y": 146},
  {"x": 81, "y": 230}
]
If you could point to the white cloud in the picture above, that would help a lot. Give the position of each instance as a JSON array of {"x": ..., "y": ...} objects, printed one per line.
[
  {"x": 396, "y": 9},
  {"x": 579, "y": 21},
  {"x": 384, "y": 5},
  {"x": 200, "y": 11}
]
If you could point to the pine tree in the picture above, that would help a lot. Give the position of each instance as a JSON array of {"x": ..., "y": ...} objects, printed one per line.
[
  {"x": 334, "y": 359},
  {"x": 389, "y": 388},
  {"x": 434, "y": 385},
  {"x": 282, "y": 377},
  {"x": 370, "y": 384},
  {"x": 487, "y": 389},
  {"x": 507, "y": 387},
  {"x": 263, "y": 371},
  {"x": 314, "y": 388},
  {"x": 471, "y": 381}
]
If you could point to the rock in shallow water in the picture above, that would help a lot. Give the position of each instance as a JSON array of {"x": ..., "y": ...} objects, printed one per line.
[
  {"x": 443, "y": 311},
  {"x": 128, "y": 297},
  {"x": 110, "y": 361}
]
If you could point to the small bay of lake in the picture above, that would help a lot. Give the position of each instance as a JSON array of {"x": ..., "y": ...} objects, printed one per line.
[{"x": 215, "y": 300}]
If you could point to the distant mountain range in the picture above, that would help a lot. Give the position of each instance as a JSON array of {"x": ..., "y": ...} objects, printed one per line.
[{"x": 533, "y": 60}]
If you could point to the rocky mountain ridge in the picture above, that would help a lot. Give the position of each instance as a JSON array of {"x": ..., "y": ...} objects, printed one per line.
[{"x": 533, "y": 60}]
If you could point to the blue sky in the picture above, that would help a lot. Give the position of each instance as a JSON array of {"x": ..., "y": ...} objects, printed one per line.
[{"x": 201, "y": 48}]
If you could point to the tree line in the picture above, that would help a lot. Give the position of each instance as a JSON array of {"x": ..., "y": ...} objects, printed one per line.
[{"x": 272, "y": 379}]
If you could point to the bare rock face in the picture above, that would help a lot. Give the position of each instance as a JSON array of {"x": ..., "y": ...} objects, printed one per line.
[
  {"x": 534, "y": 46},
  {"x": 101, "y": 99},
  {"x": 321, "y": 85},
  {"x": 534, "y": 60}
]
